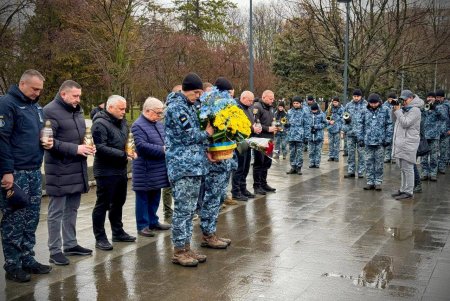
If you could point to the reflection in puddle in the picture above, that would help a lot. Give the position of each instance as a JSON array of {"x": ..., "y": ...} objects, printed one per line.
[
  {"x": 376, "y": 273},
  {"x": 423, "y": 239}
]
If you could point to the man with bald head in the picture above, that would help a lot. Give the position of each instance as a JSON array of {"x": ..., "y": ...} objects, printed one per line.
[
  {"x": 239, "y": 184},
  {"x": 262, "y": 163}
]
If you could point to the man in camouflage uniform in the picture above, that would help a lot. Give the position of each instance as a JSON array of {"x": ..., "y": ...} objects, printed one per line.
[
  {"x": 355, "y": 108},
  {"x": 186, "y": 164},
  {"x": 445, "y": 130},
  {"x": 388, "y": 149},
  {"x": 307, "y": 108},
  {"x": 431, "y": 128},
  {"x": 375, "y": 126},
  {"x": 317, "y": 123},
  {"x": 280, "y": 137},
  {"x": 334, "y": 129},
  {"x": 297, "y": 134},
  {"x": 21, "y": 154},
  {"x": 216, "y": 183}
]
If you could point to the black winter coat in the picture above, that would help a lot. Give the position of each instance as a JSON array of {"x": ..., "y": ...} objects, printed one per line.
[
  {"x": 110, "y": 137},
  {"x": 65, "y": 171},
  {"x": 265, "y": 116}
]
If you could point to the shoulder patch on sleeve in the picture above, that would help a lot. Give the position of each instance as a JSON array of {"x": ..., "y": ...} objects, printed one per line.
[{"x": 186, "y": 124}]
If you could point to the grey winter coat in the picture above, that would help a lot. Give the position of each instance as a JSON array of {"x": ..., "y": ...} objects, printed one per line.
[{"x": 407, "y": 131}]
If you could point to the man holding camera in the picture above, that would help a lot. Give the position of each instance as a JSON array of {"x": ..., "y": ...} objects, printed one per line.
[{"x": 406, "y": 140}]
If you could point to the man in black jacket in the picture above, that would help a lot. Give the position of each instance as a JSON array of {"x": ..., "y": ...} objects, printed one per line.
[
  {"x": 21, "y": 152},
  {"x": 110, "y": 132},
  {"x": 239, "y": 180},
  {"x": 261, "y": 162},
  {"x": 66, "y": 171}
]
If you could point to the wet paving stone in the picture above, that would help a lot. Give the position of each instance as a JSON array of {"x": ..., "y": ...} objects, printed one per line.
[{"x": 319, "y": 237}]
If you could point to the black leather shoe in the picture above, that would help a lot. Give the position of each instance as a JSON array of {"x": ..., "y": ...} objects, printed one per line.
[
  {"x": 350, "y": 175},
  {"x": 37, "y": 268},
  {"x": 292, "y": 171},
  {"x": 125, "y": 237},
  {"x": 360, "y": 176},
  {"x": 160, "y": 227},
  {"x": 248, "y": 194},
  {"x": 17, "y": 275},
  {"x": 330, "y": 159},
  {"x": 240, "y": 197},
  {"x": 260, "y": 191},
  {"x": 77, "y": 250},
  {"x": 396, "y": 194},
  {"x": 104, "y": 245},
  {"x": 267, "y": 188},
  {"x": 146, "y": 232},
  {"x": 369, "y": 187}
]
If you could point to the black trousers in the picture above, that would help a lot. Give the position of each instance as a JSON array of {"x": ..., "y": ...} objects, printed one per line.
[
  {"x": 111, "y": 196},
  {"x": 239, "y": 179},
  {"x": 261, "y": 165}
]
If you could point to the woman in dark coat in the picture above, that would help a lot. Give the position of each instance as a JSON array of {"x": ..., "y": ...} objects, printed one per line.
[{"x": 149, "y": 169}]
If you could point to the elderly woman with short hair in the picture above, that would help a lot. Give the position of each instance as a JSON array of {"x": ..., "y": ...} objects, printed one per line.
[{"x": 149, "y": 169}]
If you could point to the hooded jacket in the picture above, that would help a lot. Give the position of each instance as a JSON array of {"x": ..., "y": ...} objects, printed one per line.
[
  {"x": 21, "y": 120},
  {"x": 65, "y": 170},
  {"x": 110, "y": 137},
  {"x": 407, "y": 131}
]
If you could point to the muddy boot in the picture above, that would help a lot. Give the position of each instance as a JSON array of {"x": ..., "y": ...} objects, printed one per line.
[
  {"x": 225, "y": 240},
  {"x": 181, "y": 257},
  {"x": 213, "y": 242},
  {"x": 200, "y": 257}
]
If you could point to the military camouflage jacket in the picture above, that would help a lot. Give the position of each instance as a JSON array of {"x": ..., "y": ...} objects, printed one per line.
[
  {"x": 185, "y": 142},
  {"x": 317, "y": 123},
  {"x": 431, "y": 123},
  {"x": 355, "y": 109},
  {"x": 336, "y": 115},
  {"x": 445, "y": 123},
  {"x": 375, "y": 126},
  {"x": 297, "y": 125}
]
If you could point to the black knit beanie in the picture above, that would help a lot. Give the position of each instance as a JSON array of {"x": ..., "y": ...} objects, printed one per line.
[
  {"x": 374, "y": 98},
  {"x": 440, "y": 93},
  {"x": 192, "y": 82},
  {"x": 223, "y": 84},
  {"x": 296, "y": 99},
  {"x": 431, "y": 94},
  {"x": 314, "y": 107},
  {"x": 357, "y": 92},
  {"x": 392, "y": 95}
]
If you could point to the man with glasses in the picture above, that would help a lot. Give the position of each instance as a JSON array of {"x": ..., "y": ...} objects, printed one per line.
[{"x": 149, "y": 169}]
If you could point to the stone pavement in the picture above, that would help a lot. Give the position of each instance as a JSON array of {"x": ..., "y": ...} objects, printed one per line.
[{"x": 319, "y": 237}]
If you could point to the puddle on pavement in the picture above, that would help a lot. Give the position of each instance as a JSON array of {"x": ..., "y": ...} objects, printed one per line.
[
  {"x": 423, "y": 239},
  {"x": 376, "y": 273}
]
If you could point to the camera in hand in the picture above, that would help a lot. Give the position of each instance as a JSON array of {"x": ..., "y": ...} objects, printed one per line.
[{"x": 396, "y": 102}]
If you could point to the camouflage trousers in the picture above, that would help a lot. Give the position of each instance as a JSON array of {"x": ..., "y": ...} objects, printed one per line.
[
  {"x": 388, "y": 153},
  {"x": 296, "y": 154},
  {"x": 430, "y": 161},
  {"x": 185, "y": 194},
  {"x": 18, "y": 228},
  {"x": 345, "y": 145},
  {"x": 334, "y": 144},
  {"x": 215, "y": 187},
  {"x": 374, "y": 164},
  {"x": 281, "y": 144},
  {"x": 167, "y": 202},
  {"x": 353, "y": 148},
  {"x": 315, "y": 152},
  {"x": 443, "y": 152}
]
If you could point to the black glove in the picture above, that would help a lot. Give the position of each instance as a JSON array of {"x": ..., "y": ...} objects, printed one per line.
[
  {"x": 305, "y": 141},
  {"x": 433, "y": 106},
  {"x": 386, "y": 144},
  {"x": 361, "y": 143}
]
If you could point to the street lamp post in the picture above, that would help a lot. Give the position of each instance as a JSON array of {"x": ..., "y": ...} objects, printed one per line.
[
  {"x": 347, "y": 30},
  {"x": 250, "y": 48}
]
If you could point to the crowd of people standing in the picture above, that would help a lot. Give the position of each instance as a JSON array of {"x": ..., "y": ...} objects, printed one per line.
[{"x": 169, "y": 157}]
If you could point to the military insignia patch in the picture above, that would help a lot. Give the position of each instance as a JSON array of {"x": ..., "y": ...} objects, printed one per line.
[{"x": 185, "y": 122}]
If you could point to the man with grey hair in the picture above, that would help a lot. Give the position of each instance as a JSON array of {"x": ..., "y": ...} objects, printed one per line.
[
  {"x": 110, "y": 132},
  {"x": 66, "y": 171},
  {"x": 21, "y": 155},
  {"x": 149, "y": 169}
]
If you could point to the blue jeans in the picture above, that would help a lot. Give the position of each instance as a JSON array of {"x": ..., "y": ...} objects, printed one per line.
[{"x": 147, "y": 203}]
